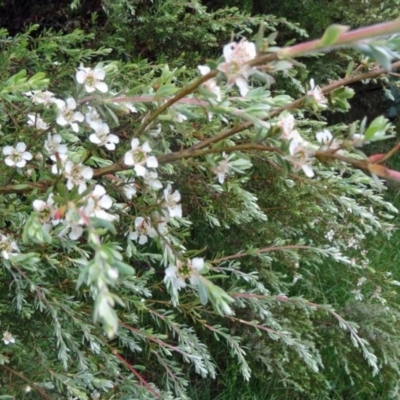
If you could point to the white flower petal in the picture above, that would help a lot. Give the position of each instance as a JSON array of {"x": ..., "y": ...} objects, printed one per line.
[
  {"x": 21, "y": 146},
  {"x": 307, "y": 170},
  {"x": 152, "y": 162},
  {"x": 143, "y": 239},
  {"x": 94, "y": 139},
  {"x": 101, "y": 86},
  {"x": 128, "y": 158},
  {"x": 140, "y": 170},
  {"x": 99, "y": 191},
  {"x": 243, "y": 86},
  {"x": 198, "y": 263},
  {"x": 81, "y": 77},
  {"x": 7, "y": 150},
  {"x": 146, "y": 147},
  {"x": 204, "y": 69},
  {"x": 134, "y": 143},
  {"x": 105, "y": 202},
  {"x": 87, "y": 173}
]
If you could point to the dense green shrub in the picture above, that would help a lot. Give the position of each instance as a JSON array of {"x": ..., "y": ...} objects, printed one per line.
[{"x": 278, "y": 266}]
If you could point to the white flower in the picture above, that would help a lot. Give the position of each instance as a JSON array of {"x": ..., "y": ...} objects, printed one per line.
[
  {"x": 353, "y": 242},
  {"x": 75, "y": 233},
  {"x": 222, "y": 169},
  {"x": 53, "y": 145},
  {"x": 172, "y": 275},
  {"x": 67, "y": 115},
  {"x": 316, "y": 93},
  {"x": 235, "y": 67},
  {"x": 8, "y": 338},
  {"x": 151, "y": 180},
  {"x": 299, "y": 157},
  {"x": 296, "y": 277},
  {"x": 180, "y": 117},
  {"x": 92, "y": 117},
  {"x": 171, "y": 202},
  {"x": 72, "y": 223},
  {"x": 357, "y": 294},
  {"x": 358, "y": 140},
  {"x": 177, "y": 274},
  {"x": 40, "y": 97},
  {"x": 77, "y": 175},
  {"x": 17, "y": 157},
  {"x": 211, "y": 84},
  {"x": 97, "y": 202},
  {"x": 156, "y": 131},
  {"x": 138, "y": 157},
  {"x": 102, "y": 137},
  {"x": 37, "y": 122},
  {"x": 161, "y": 222},
  {"x": 330, "y": 235},
  {"x": 124, "y": 106},
  {"x": 324, "y": 137},
  {"x": 143, "y": 230},
  {"x": 92, "y": 78},
  {"x": 286, "y": 123},
  {"x": 7, "y": 247},
  {"x": 129, "y": 189},
  {"x": 45, "y": 210},
  {"x": 95, "y": 395},
  {"x": 27, "y": 389},
  {"x": 58, "y": 167},
  {"x": 361, "y": 281}
]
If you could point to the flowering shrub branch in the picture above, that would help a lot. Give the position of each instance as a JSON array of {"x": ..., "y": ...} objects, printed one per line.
[{"x": 95, "y": 199}]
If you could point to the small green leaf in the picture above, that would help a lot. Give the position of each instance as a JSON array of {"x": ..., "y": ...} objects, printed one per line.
[
  {"x": 377, "y": 128},
  {"x": 332, "y": 34}
]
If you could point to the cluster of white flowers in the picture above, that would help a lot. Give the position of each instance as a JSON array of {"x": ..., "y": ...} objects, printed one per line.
[
  {"x": 170, "y": 203},
  {"x": 95, "y": 204},
  {"x": 300, "y": 154},
  {"x": 300, "y": 150}
]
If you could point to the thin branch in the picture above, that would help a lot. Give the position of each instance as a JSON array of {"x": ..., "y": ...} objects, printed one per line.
[
  {"x": 30, "y": 383},
  {"x": 182, "y": 93},
  {"x": 140, "y": 378},
  {"x": 345, "y": 39},
  {"x": 294, "y": 104},
  {"x": 260, "y": 251}
]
